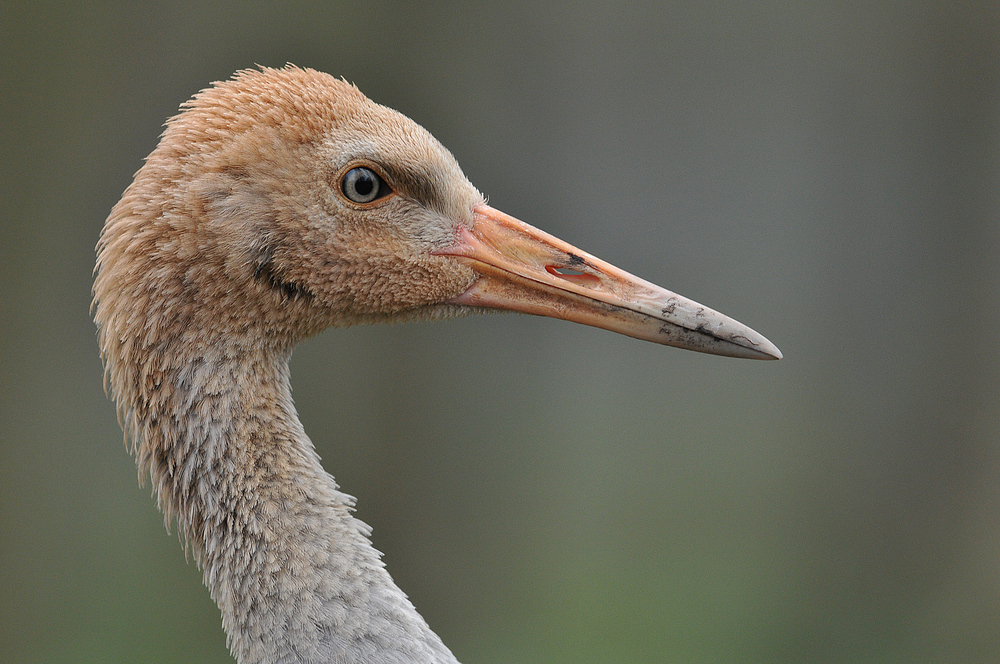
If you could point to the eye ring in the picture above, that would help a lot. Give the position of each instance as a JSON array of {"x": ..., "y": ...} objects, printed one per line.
[{"x": 363, "y": 185}]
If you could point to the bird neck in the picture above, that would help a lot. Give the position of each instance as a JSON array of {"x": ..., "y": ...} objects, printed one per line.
[{"x": 292, "y": 571}]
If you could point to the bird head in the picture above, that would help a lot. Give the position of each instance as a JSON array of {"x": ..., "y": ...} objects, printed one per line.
[{"x": 283, "y": 201}]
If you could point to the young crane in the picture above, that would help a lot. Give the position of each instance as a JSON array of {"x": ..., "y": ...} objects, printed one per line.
[{"x": 277, "y": 204}]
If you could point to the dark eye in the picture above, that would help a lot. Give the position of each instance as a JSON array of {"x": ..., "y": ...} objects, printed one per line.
[{"x": 363, "y": 185}]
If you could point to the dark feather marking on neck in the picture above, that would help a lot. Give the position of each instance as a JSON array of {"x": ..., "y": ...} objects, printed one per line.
[{"x": 265, "y": 272}]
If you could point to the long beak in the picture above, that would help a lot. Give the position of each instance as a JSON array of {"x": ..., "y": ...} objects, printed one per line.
[{"x": 525, "y": 269}]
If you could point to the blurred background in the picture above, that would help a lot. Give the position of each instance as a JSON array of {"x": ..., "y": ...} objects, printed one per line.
[{"x": 828, "y": 173}]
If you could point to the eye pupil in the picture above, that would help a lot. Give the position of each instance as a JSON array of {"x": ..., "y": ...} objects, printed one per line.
[{"x": 363, "y": 185}]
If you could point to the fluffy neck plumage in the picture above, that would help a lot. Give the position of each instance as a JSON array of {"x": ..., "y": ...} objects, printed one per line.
[{"x": 292, "y": 571}]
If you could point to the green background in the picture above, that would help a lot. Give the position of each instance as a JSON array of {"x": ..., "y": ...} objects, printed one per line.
[{"x": 828, "y": 173}]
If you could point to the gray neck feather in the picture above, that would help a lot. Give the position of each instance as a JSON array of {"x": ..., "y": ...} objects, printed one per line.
[{"x": 293, "y": 573}]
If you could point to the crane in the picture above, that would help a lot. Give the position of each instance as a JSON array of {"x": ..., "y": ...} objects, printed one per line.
[{"x": 277, "y": 204}]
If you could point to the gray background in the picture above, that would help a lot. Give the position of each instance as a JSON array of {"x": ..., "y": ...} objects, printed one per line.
[{"x": 824, "y": 172}]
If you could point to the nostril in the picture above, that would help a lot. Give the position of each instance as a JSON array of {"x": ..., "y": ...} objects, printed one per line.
[
  {"x": 563, "y": 271},
  {"x": 570, "y": 274}
]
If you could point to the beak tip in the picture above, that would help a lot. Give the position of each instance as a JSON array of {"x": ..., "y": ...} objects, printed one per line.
[
  {"x": 770, "y": 351},
  {"x": 748, "y": 344},
  {"x": 765, "y": 350},
  {"x": 760, "y": 352}
]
